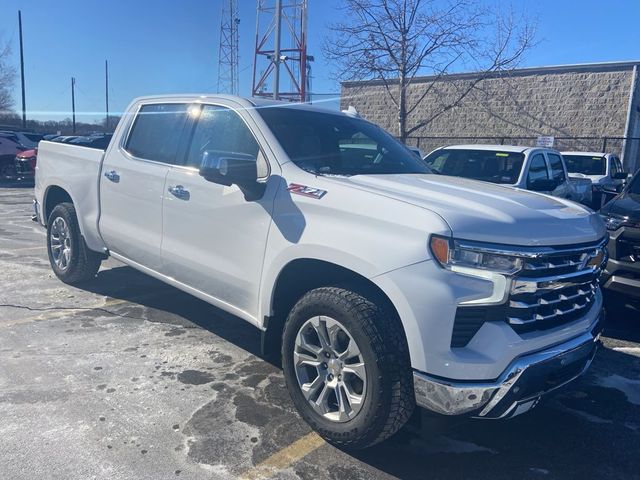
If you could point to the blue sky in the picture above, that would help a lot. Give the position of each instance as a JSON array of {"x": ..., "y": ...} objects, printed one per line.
[{"x": 169, "y": 46}]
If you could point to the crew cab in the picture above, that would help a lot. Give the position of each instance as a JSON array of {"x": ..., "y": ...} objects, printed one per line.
[
  {"x": 531, "y": 168},
  {"x": 603, "y": 169},
  {"x": 379, "y": 285}
]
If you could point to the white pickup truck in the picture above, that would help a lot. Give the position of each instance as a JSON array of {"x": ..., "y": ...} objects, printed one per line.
[
  {"x": 530, "y": 168},
  {"x": 603, "y": 169},
  {"x": 379, "y": 285}
]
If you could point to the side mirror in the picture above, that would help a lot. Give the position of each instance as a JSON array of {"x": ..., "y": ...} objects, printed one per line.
[
  {"x": 228, "y": 168},
  {"x": 608, "y": 194},
  {"x": 543, "y": 185},
  {"x": 620, "y": 175}
]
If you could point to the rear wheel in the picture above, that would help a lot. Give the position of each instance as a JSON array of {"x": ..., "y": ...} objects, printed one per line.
[
  {"x": 69, "y": 256},
  {"x": 347, "y": 368}
]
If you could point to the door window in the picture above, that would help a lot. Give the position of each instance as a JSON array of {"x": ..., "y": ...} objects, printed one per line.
[
  {"x": 557, "y": 169},
  {"x": 156, "y": 132},
  {"x": 615, "y": 163},
  {"x": 222, "y": 130},
  {"x": 537, "y": 169}
]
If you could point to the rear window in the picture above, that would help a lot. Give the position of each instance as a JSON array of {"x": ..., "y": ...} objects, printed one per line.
[
  {"x": 586, "y": 164},
  {"x": 156, "y": 132},
  {"x": 487, "y": 165}
]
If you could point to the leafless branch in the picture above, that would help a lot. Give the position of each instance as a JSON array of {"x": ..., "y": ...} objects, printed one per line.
[{"x": 396, "y": 41}]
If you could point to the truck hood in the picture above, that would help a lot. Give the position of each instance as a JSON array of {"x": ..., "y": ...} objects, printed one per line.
[
  {"x": 594, "y": 178},
  {"x": 488, "y": 212}
]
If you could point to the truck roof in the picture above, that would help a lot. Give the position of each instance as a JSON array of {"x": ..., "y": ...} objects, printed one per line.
[
  {"x": 502, "y": 148},
  {"x": 248, "y": 102},
  {"x": 586, "y": 154}
]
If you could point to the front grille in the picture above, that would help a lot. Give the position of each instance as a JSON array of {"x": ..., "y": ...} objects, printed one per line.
[
  {"x": 628, "y": 250},
  {"x": 554, "y": 287},
  {"x": 23, "y": 167}
]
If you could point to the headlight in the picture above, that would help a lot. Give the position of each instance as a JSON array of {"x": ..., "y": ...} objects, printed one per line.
[
  {"x": 454, "y": 256},
  {"x": 613, "y": 222}
]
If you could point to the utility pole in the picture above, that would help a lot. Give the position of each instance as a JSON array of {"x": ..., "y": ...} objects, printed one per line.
[
  {"x": 24, "y": 103},
  {"x": 106, "y": 92},
  {"x": 73, "y": 102},
  {"x": 276, "y": 51}
]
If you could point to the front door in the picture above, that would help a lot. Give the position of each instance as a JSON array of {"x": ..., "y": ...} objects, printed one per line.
[
  {"x": 132, "y": 183},
  {"x": 215, "y": 235}
]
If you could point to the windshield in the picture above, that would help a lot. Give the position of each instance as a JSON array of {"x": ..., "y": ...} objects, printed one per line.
[
  {"x": 487, "y": 165},
  {"x": 326, "y": 143},
  {"x": 586, "y": 164}
]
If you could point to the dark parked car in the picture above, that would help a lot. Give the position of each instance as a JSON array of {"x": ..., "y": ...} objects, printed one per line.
[
  {"x": 9, "y": 148},
  {"x": 622, "y": 217}
]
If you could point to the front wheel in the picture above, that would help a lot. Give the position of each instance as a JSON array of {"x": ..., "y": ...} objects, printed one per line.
[
  {"x": 347, "y": 368},
  {"x": 70, "y": 258}
]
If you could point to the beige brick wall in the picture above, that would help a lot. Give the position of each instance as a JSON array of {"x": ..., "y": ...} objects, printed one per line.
[{"x": 574, "y": 102}]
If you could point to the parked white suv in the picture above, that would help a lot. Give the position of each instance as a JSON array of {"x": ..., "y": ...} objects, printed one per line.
[{"x": 379, "y": 285}]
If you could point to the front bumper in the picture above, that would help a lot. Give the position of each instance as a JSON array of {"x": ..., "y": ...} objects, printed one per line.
[
  {"x": 622, "y": 275},
  {"x": 518, "y": 389}
]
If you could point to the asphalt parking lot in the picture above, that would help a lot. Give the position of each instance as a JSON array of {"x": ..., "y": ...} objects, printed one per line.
[{"x": 127, "y": 378}]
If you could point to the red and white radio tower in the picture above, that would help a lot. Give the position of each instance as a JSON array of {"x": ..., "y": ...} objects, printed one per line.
[{"x": 280, "y": 67}]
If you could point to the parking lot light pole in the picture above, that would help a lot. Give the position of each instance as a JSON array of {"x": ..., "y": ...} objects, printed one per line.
[
  {"x": 73, "y": 103},
  {"x": 106, "y": 92},
  {"x": 24, "y": 105}
]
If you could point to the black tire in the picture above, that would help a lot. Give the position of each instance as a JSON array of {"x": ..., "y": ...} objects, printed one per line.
[
  {"x": 83, "y": 264},
  {"x": 389, "y": 399}
]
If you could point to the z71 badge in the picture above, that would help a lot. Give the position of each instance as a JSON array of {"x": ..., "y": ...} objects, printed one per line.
[{"x": 306, "y": 191}]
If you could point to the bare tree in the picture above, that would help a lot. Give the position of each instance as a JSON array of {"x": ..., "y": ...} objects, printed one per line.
[
  {"x": 394, "y": 41},
  {"x": 7, "y": 78}
]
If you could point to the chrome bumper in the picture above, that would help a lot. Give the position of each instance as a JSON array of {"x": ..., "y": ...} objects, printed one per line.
[{"x": 518, "y": 389}]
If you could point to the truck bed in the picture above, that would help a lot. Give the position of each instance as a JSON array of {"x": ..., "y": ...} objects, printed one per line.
[{"x": 75, "y": 169}]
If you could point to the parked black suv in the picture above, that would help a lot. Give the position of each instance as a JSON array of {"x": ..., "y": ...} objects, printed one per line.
[{"x": 622, "y": 216}]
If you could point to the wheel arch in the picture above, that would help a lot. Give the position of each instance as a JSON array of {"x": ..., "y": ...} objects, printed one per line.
[
  {"x": 54, "y": 195},
  {"x": 301, "y": 275}
]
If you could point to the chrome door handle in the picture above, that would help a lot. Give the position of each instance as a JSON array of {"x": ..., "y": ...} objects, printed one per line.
[
  {"x": 112, "y": 175},
  {"x": 179, "y": 192}
]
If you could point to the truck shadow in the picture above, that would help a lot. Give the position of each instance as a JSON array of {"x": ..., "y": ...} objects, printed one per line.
[{"x": 590, "y": 430}]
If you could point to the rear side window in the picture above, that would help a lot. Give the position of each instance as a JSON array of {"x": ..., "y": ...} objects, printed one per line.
[
  {"x": 557, "y": 170},
  {"x": 157, "y": 131},
  {"x": 537, "y": 169}
]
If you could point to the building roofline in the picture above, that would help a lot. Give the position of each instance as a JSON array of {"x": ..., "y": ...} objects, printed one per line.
[{"x": 569, "y": 68}]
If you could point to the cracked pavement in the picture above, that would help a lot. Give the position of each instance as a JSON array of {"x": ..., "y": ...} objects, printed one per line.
[{"x": 127, "y": 378}]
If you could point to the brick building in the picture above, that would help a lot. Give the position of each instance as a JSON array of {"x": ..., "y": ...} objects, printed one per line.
[{"x": 585, "y": 107}]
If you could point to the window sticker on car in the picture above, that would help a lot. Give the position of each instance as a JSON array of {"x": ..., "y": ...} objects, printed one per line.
[{"x": 306, "y": 191}]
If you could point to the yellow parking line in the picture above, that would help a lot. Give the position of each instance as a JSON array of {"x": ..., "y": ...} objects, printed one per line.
[{"x": 285, "y": 457}]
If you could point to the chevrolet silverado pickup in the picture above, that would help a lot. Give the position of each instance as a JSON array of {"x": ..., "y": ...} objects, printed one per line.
[
  {"x": 379, "y": 285},
  {"x": 530, "y": 168}
]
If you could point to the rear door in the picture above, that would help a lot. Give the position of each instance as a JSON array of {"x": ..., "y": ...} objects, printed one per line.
[
  {"x": 215, "y": 235},
  {"x": 132, "y": 182}
]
